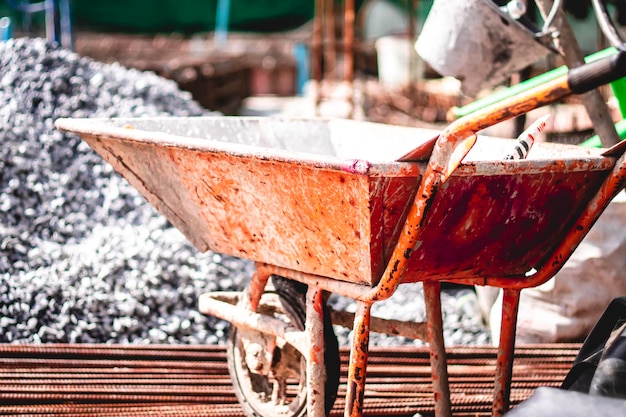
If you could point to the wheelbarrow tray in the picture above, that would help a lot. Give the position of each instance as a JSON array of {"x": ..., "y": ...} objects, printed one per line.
[{"x": 328, "y": 197}]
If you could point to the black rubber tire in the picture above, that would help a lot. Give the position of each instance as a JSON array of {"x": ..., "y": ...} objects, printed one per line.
[{"x": 292, "y": 295}]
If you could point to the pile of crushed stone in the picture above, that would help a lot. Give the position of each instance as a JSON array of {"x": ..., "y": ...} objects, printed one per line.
[{"x": 84, "y": 258}]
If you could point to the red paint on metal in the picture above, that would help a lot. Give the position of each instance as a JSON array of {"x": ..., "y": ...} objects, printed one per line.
[
  {"x": 498, "y": 225},
  {"x": 571, "y": 236},
  {"x": 315, "y": 351}
]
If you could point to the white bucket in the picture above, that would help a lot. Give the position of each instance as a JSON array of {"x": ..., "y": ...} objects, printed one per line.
[
  {"x": 394, "y": 54},
  {"x": 476, "y": 43}
]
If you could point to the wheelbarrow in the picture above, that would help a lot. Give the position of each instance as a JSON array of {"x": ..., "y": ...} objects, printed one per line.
[{"x": 356, "y": 209}]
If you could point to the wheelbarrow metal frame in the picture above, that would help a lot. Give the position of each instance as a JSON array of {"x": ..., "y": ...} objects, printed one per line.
[
  {"x": 450, "y": 148},
  {"x": 448, "y": 151}
]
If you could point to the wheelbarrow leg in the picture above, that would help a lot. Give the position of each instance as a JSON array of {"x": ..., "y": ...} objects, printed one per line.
[
  {"x": 358, "y": 360},
  {"x": 506, "y": 349},
  {"x": 316, "y": 368},
  {"x": 253, "y": 292},
  {"x": 438, "y": 362}
]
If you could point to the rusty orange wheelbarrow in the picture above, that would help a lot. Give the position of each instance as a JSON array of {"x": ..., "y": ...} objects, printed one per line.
[{"x": 356, "y": 209}]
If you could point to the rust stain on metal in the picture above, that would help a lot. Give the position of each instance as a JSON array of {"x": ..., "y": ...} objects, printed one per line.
[
  {"x": 315, "y": 353},
  {"x": 193, "y": 380}
]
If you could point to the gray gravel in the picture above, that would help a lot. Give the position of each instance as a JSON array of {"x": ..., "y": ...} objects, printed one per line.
[
  {"x": 463, "y": 323},
  {"x": 83, "y": 257}
]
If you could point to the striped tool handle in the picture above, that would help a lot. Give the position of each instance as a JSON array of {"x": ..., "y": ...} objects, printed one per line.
[{"x": 526, "y": 140}]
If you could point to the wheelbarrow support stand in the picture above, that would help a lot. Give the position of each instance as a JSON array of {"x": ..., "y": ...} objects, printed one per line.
[
  {"x": 438, "y": 361},
  {"x": 358, "y": 360},
  {"x": 316, "y": 368},
  {"x": 506, "y": 350}
]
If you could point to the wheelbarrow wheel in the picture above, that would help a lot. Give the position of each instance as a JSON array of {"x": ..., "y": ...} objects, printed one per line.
[{"x": 281, "y": 389}]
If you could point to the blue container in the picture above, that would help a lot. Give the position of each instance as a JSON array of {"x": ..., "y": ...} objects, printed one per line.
[
  {"x": 301, "y": 55},
  {"x": 5, "y": 29}
]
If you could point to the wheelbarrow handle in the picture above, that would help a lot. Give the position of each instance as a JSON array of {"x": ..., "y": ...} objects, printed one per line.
[
  {"x": 589, "y": 76},
  {"x": 578, "y": 80}
]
